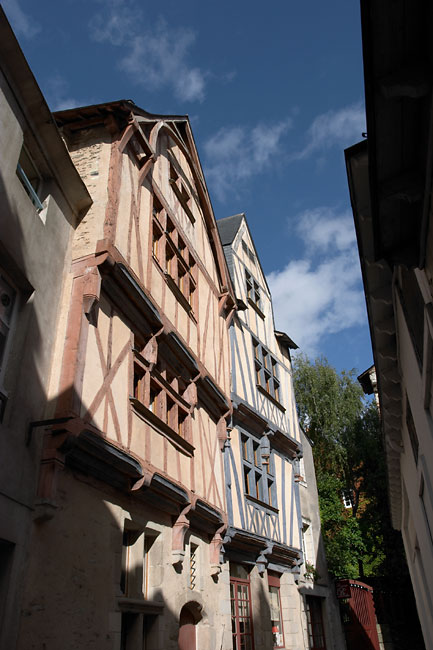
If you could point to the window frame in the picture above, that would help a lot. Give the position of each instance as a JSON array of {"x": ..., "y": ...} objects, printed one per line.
[
  {"x": 266, "y": 371},
  {"x": 173, "y": 256},
  {"x": 161, "y": 390},
  {"x": 347, "y": 498},
  {"x": 10, "y": 326},
  {"x": 254, "y": 296},
  {"x": 259, "y": 479},
  {"x": 181, "y": 191},
  {"x": 34, "y": 193},
  {"x": 274, "y": 583},
  {"x": 234, "y": 610},
  {"x": 315, "y": 626}
]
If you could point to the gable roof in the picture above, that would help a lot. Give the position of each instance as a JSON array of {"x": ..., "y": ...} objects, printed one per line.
[
  {"x": 228, "y": 227},
  {"x": 117, "y": 116}
]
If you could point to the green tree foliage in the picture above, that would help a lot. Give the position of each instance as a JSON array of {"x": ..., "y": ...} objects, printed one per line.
[
  {"x": 348, "y": 456},
  {"x": 328, "y": 404}
]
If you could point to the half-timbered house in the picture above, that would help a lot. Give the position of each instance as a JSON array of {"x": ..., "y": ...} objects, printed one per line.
[
  {"x": 264, "y": 539},
  {"x": 126, "y": 550}
]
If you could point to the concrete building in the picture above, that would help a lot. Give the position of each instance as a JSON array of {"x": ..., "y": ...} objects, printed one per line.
[
  {"x": 271, "y": 526},
  {"x": 42, "y": 201},
  {"x": 390, "y": 181},
  {"x": 315, "y": 584}
]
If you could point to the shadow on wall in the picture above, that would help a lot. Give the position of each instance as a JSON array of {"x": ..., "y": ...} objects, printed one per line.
[
  {"x": 265, "y": 618},
  {"x": 69, "y": 580},
  {"x": 23, "y": 364},
  {"x": 86, "y": 577}
]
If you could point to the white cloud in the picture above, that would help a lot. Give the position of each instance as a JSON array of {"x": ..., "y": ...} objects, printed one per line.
[
  {"x": 336, "y": 128},
  {"x": 57, "y": 94},
  {"x": 236, "y": 153},
  {"x": 153, "y": 55},
  {"x": 158, "y": 58},
  {"x": 321, "y": 230},
  {"x": 23, "y": 24},
  {"x": 113, "y": 26},
  {"x": 321, "y": 293}
]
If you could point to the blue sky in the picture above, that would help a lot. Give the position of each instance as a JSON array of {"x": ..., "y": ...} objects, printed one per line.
[{"x": 274, "y": 91}]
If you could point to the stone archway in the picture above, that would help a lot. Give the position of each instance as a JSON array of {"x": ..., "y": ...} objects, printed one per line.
[{"x": 190, "y": 614}]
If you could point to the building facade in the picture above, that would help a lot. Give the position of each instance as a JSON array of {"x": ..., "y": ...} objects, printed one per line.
[
  {"x": 276, "y": 602},
  {"x": 321, "y": 607},
  {"x": 390, "y": 183},
  {"x": 131, "y": 482},
  {"x": 42, "y": 201},
  {"x": 151, "y": 491}
]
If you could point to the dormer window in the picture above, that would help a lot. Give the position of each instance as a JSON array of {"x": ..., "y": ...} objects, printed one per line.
[
  {"x": 266, "y": 368},
  {"x": 247, "y": 250},
  {"x": 253, "y": 290},
  {"x": 259, "y": 479}
]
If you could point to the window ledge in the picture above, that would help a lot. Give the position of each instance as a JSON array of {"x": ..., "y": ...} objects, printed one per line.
[
  {"x": 161, "y": 427},
  {"x": 269, "y": 396},
  {"x": 256, "y": 308},
  {"x": 258, "y": 502}
]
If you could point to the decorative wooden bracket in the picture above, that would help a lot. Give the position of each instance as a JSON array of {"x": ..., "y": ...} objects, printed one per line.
[{"x": 262, "y": 560}]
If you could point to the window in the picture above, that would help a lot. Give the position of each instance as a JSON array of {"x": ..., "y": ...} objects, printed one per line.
[
  {"x": 275, "y": 607},
  {"x": 136, "y": 546},
  {"x": 247, "y": 250},
  {"x": 132, "y": 572},
  {"x": 412, "y": 431},
  {"x": 6, "y": 558},
  {"x": 30, "y": 178},
  {"x": 266, "y": 371},
  {"x": 259, "y": 479},
  {"x": 347, "y": 497},
  {"x": 316, "y": 635},
  {"x": 172, "y": 254},
  {"x": 8, "y": 301},
  {"x": 253, "y": 290},
  {"x": 413, "y": 307},
  {"x": 182, "y": 193},
  {"x": 301, "y": 476},
  {"x": 193, "y": 565},
  {"x": 240, "y": 601},
  {"x": 163, "y": 390}
]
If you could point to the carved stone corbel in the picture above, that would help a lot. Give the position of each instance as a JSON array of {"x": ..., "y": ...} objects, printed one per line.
[
  {"x": 180, "y": 527},
  {"x": 91, "y": 289},
  {"x": 215, "y": 551}
]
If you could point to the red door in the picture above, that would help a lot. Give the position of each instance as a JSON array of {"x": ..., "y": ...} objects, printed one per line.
[
  {"x": 358, "y": 615},
  {"x": 186, "y": 639}
]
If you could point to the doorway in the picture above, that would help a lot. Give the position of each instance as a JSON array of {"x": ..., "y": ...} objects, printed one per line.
[{"x": 187, "y": 629}]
